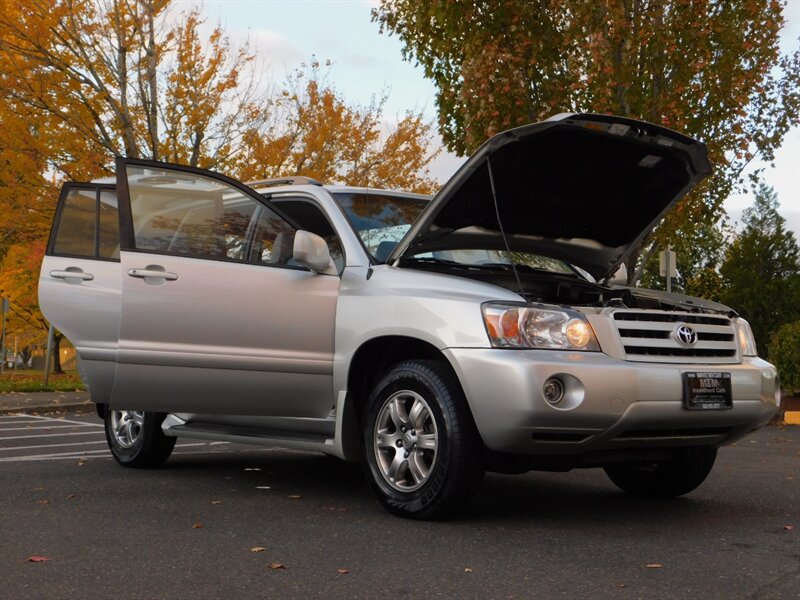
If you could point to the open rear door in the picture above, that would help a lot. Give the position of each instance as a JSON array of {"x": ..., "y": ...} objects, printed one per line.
[{"x": 80, "y": 281}]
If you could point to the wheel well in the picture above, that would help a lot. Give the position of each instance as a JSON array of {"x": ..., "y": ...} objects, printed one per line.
[{"x": 375, "y": 357}]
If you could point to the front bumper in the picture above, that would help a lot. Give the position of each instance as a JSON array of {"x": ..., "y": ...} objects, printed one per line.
[{"x": 610, "y": 403}]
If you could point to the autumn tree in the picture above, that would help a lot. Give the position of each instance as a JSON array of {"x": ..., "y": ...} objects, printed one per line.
[
  {"x": 113, "y": 77},
  {"x": 315, "y": 132},
  {"x": 709, "y": 68},
  {"x": 761, "y": 271}
]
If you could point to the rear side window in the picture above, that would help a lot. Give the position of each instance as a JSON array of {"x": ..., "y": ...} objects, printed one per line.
[{"x": 87, "y": 224}]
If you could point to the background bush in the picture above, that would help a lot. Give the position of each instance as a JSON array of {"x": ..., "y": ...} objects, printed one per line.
[{"x": 784, "y": 353}]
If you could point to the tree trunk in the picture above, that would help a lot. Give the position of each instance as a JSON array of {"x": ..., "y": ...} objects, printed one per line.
[{"x": 57, "y": 337}]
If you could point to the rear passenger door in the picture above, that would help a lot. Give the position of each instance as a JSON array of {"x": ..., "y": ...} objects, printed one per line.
[
  {"x": 80, "y": 280},
  {"x": 216, "y": 316}
]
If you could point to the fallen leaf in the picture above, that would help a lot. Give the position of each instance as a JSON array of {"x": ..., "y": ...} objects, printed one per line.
[
  {"x": 216, "y": 502},
  {"x": 654, "y": 565},
  {"x": 71, "y": 496},
  {"x": 788, "y": 527},
  {"x": 39, "y": 489},
  {"x": 43, "y": 501},
  {"x": 257, "y": 549},
  {"x": 467, "y": 570},
  {"x": 622, "y": 585},
  {"x": 342, "y": 571},
  {"x": 294, "y": 496},
  {"x": 38, "y": 559},
  {"x": 197, "y": 525},
  {"x": 276, "y": 565}
]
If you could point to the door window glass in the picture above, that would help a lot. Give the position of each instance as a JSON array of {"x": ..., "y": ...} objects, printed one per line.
[
  {"x": 108, "y": 225},
  {"x": 75, "y": 235},
  {"x": 88, "y": 222},
  {"x": 190, "y": 214}
]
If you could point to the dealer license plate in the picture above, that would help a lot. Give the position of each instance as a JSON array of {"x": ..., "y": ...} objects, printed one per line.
[{"x": 707, "y": 390}]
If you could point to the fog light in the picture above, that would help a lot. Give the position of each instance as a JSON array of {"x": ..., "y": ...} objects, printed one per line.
[{"x": 553, "y": 390}]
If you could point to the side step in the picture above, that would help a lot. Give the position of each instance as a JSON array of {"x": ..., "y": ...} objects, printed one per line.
[{"x": 177, "y": 427}]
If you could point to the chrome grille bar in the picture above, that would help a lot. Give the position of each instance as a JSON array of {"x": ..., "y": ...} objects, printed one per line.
[{"x": 650, "y": 336}]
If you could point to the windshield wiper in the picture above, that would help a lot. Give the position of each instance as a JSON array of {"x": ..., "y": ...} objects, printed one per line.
[{"x": 433, "y": 261}]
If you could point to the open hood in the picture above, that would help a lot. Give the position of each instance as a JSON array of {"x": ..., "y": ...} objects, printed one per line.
[{"x": 582, "y": 188}]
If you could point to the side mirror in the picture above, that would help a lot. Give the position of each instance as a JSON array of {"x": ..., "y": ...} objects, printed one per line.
[
  {"x": 311, "y": 251},
  {"x": 620, "y": 277}
]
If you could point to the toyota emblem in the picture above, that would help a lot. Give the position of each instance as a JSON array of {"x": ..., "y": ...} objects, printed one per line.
[{"x": 685, "y": 335}]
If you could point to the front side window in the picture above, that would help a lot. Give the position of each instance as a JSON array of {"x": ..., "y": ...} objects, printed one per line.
[
  {"x": 381, "y": 220},
  {"x": 190, "y": 214}
]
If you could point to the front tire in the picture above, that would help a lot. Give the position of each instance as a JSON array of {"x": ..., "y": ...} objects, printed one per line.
[
  {"x": 135, "y": 438},
  {"x": 666, "y": 479},
  {"x": 422, "y": 454}
]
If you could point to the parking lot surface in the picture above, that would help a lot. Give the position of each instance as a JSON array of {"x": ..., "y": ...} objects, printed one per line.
[{"x": 231, "y": 521}]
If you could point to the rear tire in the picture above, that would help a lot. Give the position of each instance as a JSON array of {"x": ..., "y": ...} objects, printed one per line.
[
  {"x": 666, "y": 479},
  {"x": 422, "y": 454},
  {"x": 135, "y": 438}
]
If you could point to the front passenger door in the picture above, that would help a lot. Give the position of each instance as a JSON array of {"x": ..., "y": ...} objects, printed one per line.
[{"x": 216, "y": 317}]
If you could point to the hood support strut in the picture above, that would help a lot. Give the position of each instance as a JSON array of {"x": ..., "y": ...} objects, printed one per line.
[{"x": 500, "y": 225}]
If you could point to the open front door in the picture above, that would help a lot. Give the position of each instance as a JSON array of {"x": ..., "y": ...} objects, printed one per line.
[{"x": 216, "y": 317}]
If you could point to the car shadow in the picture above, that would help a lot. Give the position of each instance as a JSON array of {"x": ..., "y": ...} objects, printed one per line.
[{"x": 584, "y": 496}]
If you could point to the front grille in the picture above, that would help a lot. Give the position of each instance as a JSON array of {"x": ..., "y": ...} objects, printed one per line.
[{"x": 649, "y": 336}]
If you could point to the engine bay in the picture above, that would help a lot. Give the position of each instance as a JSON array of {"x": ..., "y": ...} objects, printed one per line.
[{"x": 544, "y": 287}]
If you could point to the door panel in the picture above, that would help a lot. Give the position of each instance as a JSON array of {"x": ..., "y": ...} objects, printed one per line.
[
  {"x": 214, "y": 317},
  {"x": 80, "y": 281}
]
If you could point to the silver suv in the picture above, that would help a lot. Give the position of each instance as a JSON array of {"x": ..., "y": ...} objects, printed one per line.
[{"x": 431, "y": 340}]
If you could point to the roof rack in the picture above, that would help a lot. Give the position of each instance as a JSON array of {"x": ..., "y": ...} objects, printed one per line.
[{"x": 294, "y": 180}]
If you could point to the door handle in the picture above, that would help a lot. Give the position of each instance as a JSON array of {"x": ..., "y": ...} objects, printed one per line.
[
  {"x": 71, "y": 275},
  {"x": 151, "y": 272}
]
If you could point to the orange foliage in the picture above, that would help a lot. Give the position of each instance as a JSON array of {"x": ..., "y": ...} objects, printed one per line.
[{"x": 314, "y": 132}]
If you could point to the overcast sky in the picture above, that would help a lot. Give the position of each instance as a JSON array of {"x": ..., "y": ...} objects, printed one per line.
[{"x": 285, "y": 33}]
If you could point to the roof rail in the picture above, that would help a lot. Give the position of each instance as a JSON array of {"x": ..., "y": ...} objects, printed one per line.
[{"x": 293, "y": 180}]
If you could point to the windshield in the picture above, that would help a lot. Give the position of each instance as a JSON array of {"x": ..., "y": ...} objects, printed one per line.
[
  {"x": 489, "y": 259},
  {"x": 381, "y": 220}
]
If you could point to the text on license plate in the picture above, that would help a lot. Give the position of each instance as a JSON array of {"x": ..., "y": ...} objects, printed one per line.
[{"x": 707, "y": 390}]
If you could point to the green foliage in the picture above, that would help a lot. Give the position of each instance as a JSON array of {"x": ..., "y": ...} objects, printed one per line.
[
  {"x": 709, "y": 68},
  {"x": 761, "y": 271},
  {"x": 699, "y": 254},
  {"x": 784, "y": 352}
]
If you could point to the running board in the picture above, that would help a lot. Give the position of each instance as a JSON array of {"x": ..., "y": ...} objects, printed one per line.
[{"x": 176, "y": 427}]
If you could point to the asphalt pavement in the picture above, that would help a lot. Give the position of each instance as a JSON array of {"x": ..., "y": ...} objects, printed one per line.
[{"x": 234, "y": 521}]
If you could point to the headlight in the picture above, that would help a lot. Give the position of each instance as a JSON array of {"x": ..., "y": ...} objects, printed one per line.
[
  {"x": 747, "y": 343},
  {"x": 517, "y": 326}
]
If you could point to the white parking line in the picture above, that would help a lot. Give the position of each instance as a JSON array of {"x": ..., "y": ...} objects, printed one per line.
[
  {"x": 46, "y": 427},
  {"x": 63, "y": 421},
  {"x": 43, "y": 435},
  {"x": 49, "y": 446},
  {"x": 76, "y": 454}
]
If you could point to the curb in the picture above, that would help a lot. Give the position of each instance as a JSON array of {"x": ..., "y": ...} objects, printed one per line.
[
  {"x": 791, "y": 417},
  {"x": 47, "y": 409}
]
